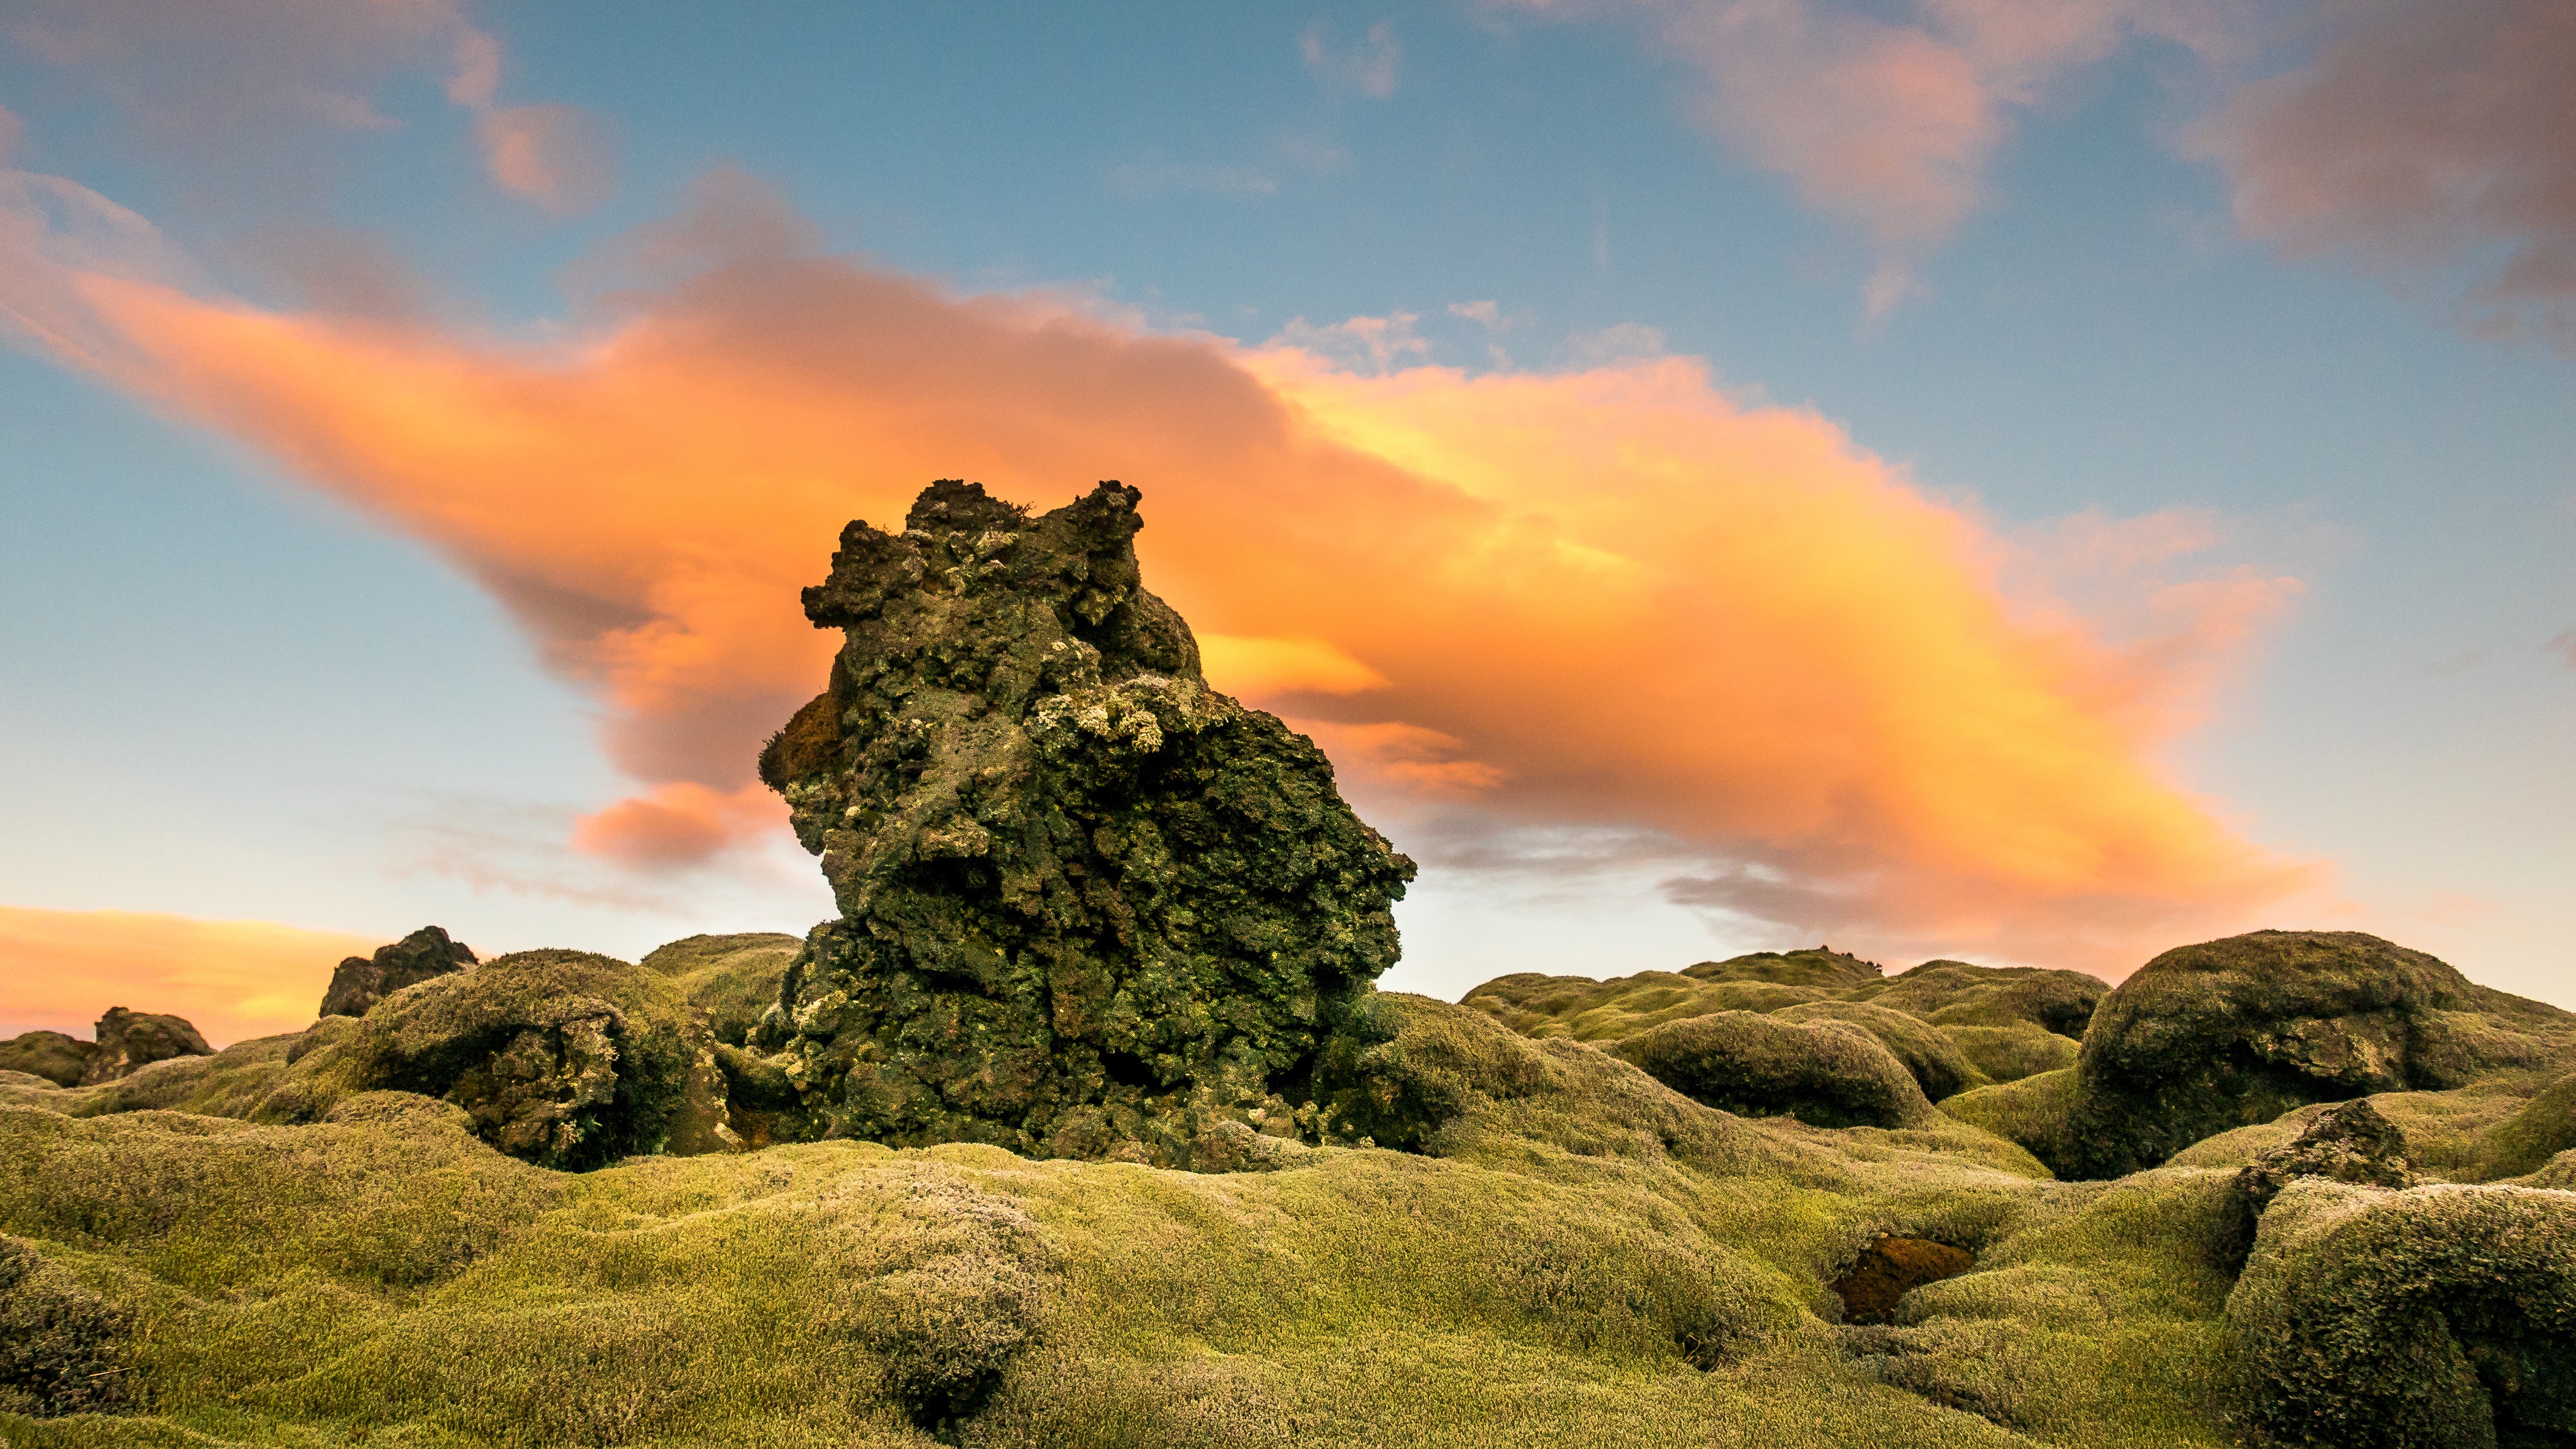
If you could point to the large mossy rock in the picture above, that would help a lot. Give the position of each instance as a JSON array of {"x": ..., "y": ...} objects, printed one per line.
[
  {"x": 129, "y": 1041},
  {"x": 59, "y": 1059},
  {"x": 1825, "y": 1074},
  {"x": 2235, "y": 1032},
  {"x": 1959, "y": 994},
  {"x": 359, "y": 982},
  {"x": 2443, "y": 1315},
  {"x": 1088, "y": 904}
]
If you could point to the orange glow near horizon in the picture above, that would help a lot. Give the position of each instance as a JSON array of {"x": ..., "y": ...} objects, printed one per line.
[
  {"x": 1615, "y": 597},
  {"x": 232, "y": 980}
]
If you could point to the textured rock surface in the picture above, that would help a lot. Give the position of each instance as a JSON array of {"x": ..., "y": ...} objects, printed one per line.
[
  {"x": 1088, "y": 905},
  {"x": 1828, "y": 1074},
  {"x": 59, "y": 1059},
  {"x": 2348, "y": 1142},
  {"x": 360, "y": 982},
  {"x": 2234, "y": 1032},
  {"x": 2443, "y": 1315},
  {"x": 131, "y": 1040}
]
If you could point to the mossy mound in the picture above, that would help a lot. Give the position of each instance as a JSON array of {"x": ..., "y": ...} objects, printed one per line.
[
  {"x": 62, "y": 1348},
  {"x": 1090, "y": 906},
  {"x": 1939, "y": 1067},
  {"x": 734, "y": 980},
  {"x": 2032, "y": 1111},
  {"x": 1820, "y": 967},
  {"x": 2234, "y": 1032},
  {"x": 60, "y": 1059},
  {"x": 2011, "y": 1052},
  {"x": 2370, "y": 1319},
  {"x": 1958, "y": 994},
  {"x": 1826, "y": 1074}
]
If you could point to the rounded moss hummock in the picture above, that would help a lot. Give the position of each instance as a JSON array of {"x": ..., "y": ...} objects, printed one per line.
[
  {"x": 1089, "y": 906},
  {"x": 1828, "y": 1074},
  {"x": 2235, "y": 1032}
]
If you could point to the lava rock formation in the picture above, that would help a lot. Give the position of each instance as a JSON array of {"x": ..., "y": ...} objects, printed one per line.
[
  {"x": 359, "y": 982},
  {"x": 1089, "y": 906}
]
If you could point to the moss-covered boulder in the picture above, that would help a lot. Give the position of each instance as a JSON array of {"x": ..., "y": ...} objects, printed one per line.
[
  {"x": 732, "y": 979},
  {"x": 2012, "y": 1052},
  {"x": 1088, "y": 904},
  {"x": 59, "y": 1059},
  {"x": 1819, "y": 967},
  {"x": 562, "y": 1058},
  {"x": 359, "y": 982},
  {"x": 2441, "y": 1315},
  {"x": 2234, "y": 1032},
  {"x": 129, "y": 1041},
  {"x": 2032, "y": 1111},
  {"x": 1825, "y": 1074},
  {"x": 2349, "y": 1142}
]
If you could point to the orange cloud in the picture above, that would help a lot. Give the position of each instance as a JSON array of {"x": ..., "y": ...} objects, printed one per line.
[
  {"x": 2424, "y": 136},
  {"x": 679, "y": 823},
  {"x": 232, "y": 979},
  {"x": 555, "y": 156},
  {"x": 1611, "y": 599}
]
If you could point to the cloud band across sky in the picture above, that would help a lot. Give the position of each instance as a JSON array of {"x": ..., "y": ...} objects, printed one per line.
[{"x": 1614, "y": 598}]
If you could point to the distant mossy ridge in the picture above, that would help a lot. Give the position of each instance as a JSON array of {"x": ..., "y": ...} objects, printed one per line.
[{"x": 1089, "y": 906}]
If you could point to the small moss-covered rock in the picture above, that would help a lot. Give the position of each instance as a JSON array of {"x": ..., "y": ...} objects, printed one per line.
[
  {"x": 2443, "y": 1315},
  {"x": 1828, "y": 1074},
  {"x": 2348, "y": 1142},
  {"x": 562, "y": 1058},
  {"x": 1936, "y": 1062},
  {"x": 1089, "y": 906},
  {"x": 59, "y": 1059},
  {"x": 129, "y": 1041},
  {"x": 62, "y": 1349},
  {"x": 2541, "y": 1129},
  {"x": 2235, "y": 1032},
  {"x": 359, "y": 982},
  {"x": 2032, "y": 1111}
]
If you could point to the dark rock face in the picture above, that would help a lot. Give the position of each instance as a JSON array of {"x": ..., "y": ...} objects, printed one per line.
[
  {"x": 360, "y": 983},
  {"x": 59, "y": 1059},
  {"x": 2370, "y": 1319},
  {"x": 2235, "y": 1032},
  {"x": 131, "y": 1040},
  {"x": 1829, "y": 1074},
  {"x": 62, "y": 1349},
  {"x": 1089, "y": 906}
]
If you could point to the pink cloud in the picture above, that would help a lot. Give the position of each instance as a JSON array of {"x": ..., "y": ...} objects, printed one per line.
[{"x": 2425, "y": 137}]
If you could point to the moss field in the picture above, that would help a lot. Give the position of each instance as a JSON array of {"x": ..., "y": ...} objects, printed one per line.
[{"x": 1580, "y": 1255}]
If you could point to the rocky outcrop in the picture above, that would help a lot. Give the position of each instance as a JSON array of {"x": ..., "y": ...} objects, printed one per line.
[
  {"x": 360, "y": 982},
  {"x": 2371, "y": 1319},
  {"x": 2349, "y": 1142},
  {"x": 131, "y": 1040},
  {"x": 59, "y": 1059},
  {"x": 2235, "y": 1032},
  {"x": 1089, "y": 906},
  {"x": 1825, "y": 1074}
]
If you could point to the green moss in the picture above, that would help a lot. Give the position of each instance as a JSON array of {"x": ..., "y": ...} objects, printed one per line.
[
  {"x": 2032, "y": 1112},
  {"x": 2232, "y": 1033},
  {"x": 1936, "y": 1062},
  {"x": 2544, "y": 1127},
  {"x": 732, "y": 979},
  {"x": 2439, "y": 1315},
  {"x": 1956, "y": 993},
  {"x": 1829, "y": 1074},
  {"x": 2010, "y": 1053}
]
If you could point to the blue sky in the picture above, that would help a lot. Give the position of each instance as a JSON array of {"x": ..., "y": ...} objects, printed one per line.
[{"x": 229, "y": 695}]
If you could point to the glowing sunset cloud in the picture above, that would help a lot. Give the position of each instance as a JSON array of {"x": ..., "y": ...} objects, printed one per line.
[
  {"x": 231, "y": 979},
  {"x": 1607, "y": 598}
]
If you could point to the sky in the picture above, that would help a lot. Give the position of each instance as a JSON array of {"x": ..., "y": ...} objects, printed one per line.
[{"x": 2029, "y": 481}]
